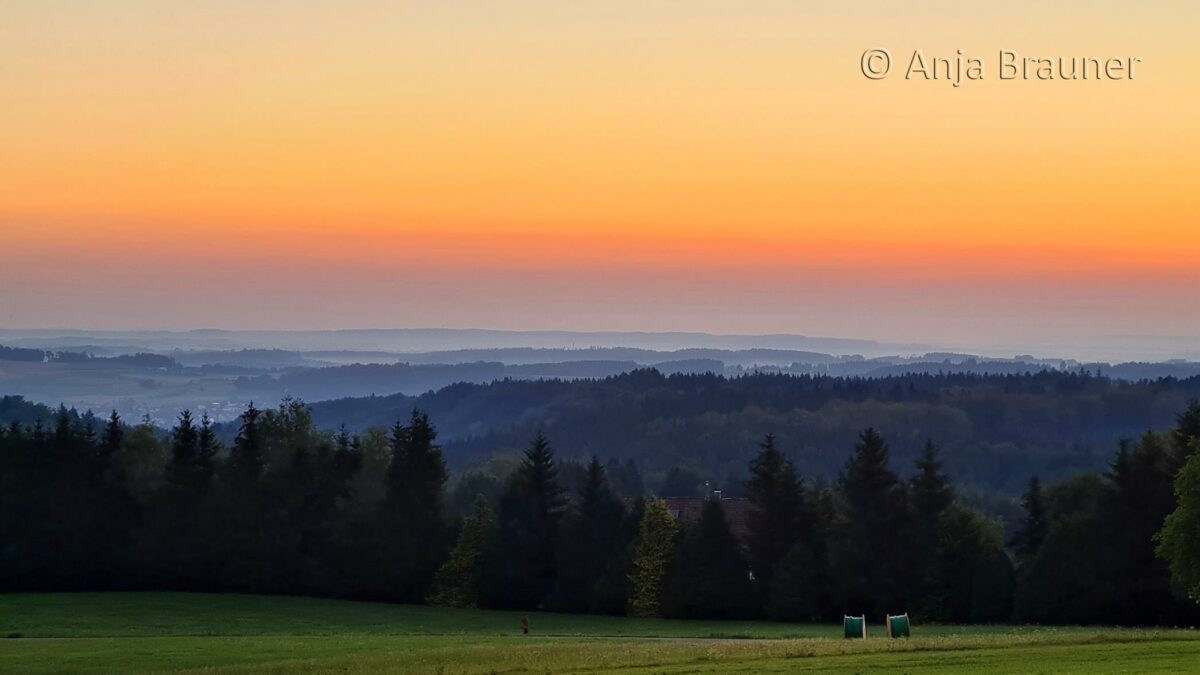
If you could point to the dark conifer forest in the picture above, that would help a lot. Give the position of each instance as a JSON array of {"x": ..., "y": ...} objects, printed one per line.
[
  {"x": 280, "y": 506},
  {"x": 997, "y": 430}
]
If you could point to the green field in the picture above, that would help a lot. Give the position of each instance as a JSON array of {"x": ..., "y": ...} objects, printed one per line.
[{"x": 148, "y": 632}]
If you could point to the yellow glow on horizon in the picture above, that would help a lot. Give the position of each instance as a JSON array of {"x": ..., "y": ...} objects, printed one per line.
[{"x": 695, "y": 136}]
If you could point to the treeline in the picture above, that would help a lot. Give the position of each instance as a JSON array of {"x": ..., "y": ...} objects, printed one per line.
[
  {"x": 22, "y": 354},
  {"x": 141, "y": 359},
  {"x": 358, "y": 379},
  {"x": 1000, "y": 430},
  {"x": 286, "y": 508}
]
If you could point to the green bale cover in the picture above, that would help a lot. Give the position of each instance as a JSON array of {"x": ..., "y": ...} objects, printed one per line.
[
  {"x": 898, "y": 625},
  {"x": 855, "y": 627}
]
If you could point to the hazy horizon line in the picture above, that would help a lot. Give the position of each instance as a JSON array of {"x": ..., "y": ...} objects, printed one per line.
[{"x": 1098, "y": 348}]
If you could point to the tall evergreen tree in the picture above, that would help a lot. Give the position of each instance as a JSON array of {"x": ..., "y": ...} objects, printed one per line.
[
  {"x": 83, "y": 536},
  {"x": 1035, "y": 525},
  {"x": 974, "y": 577},
  {"x": 139, "y": 464},
  {"x": 417, "y": 475},
  {"x": 712, "y": 579},
  {"x": 591, "y": 542},
  {"x": 64, "y": 430},
  {"x": 624, "y": 478},
  {"x": 1187, "y": 430},
  {"x": 777, "y": 517},
  {"x": 207, "y": 447},
  {"x": 412, "y": 513},
  {"x": 348, "y": 459},
  {"x": 88, "y": 425},
  {"x": 110, "y": 441},
  {"x": 530, "y": 511},
  {"x": 931, "y": 491},
  {"x": 873, "y": 556},
  {"x": 1070, "y": 576},
  {"x": 235, "y": 521},
  {"x": 932, "y": 499},
  {"x": 798, "y": 585},
  {"x": 1142, "y": 477},
  {"x": 180, "y": 519},
  {"x": 183, "y": 471},
  {"x": 993, "y": 584},
  {"x": 245, "y": 463}
]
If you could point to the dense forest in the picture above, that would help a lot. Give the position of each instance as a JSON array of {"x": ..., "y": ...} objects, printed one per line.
[
  {"x": 287, "y": 508},
  {"x": 999, "y": 429},
  {"x": 735, "y": 406},
  {"x": 414, "y": 378}
]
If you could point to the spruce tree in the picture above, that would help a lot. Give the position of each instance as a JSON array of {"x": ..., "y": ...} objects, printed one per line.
[
  {"x": 594, "y": 494},
  {"x": 993, "y": 586},
  {"x": 88, "y": 435},
  {"x": 1187, "y": 430},
  {"x": 179, "y": 521},
  {"x": 425, "y": 474},
  {"x": 236, "y": 521},
  {"x": 932, "y": 499},
  {"x": 530, "y": 511},
  {"x": 591, "y": 540},
  {"x": 1142, "y": 477},
  {"x": 712, "y": 579},
  {"x": 796, "y": 586},
  {"x": 874, "y": 561},
  {"x": 206, "y": 451},
  {"x": 396, "y": 481},
  {"x": 110, "y": 440},
  {"x": 1070, "y": 577},
  {"x": 777, "y": 517},
  {"x": 931, "y": 491},
  {"x": 346, "y": 463},
  {"x": 1035, "y": 524},
  {"x": 245, "y": 462},
  {"x": 185, "y": 452},
  {"x": 412, "y": 513},
  {"x": 948, "y": 568}
]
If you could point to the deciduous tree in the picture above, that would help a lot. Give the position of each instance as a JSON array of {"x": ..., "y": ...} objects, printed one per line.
[{"x": 658, "y": 538}]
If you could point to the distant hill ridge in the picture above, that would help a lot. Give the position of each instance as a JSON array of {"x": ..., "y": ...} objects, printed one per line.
[{"x": 996, "y": 430}]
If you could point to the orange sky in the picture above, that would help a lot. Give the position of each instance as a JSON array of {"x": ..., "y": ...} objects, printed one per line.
[{"x": 701, "y": 165}]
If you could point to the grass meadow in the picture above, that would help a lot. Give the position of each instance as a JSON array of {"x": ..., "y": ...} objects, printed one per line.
[{"x": 185, "y": 632}]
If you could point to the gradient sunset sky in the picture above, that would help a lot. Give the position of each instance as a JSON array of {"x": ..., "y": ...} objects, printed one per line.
[{"x": 648, "y": 165}]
